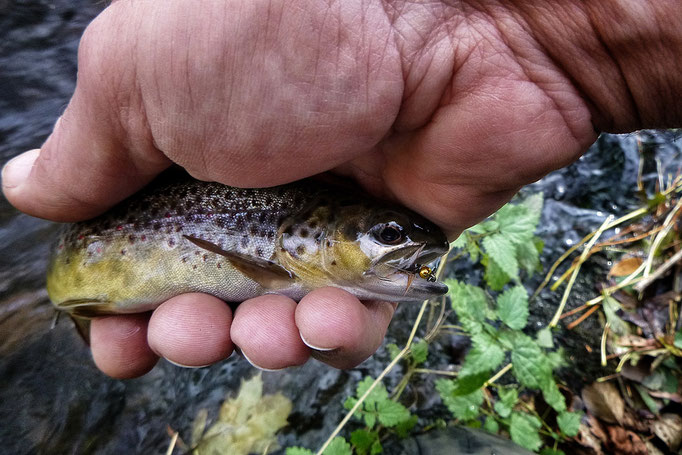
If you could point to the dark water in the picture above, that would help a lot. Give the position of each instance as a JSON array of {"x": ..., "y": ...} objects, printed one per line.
[{"x": 53, "y": 400}]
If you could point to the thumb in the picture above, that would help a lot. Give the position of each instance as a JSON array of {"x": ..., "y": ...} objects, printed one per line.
[{"x": 81, "y": 170}]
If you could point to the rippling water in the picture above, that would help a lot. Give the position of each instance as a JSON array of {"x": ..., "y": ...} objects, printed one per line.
[{"x": 53, "y": 400}]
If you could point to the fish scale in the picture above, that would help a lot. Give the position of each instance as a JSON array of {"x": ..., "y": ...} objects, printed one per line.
[{"x": 182, "y": 235}]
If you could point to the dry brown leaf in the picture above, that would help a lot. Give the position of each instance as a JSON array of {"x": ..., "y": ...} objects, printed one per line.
[
  {"x": 603, "y": 401},
  {"x": 626, "y": 442},
  {"x": 591, "y": 436},
  {"x": 625, "y": 267},
  {"x": 669, "y": 428}
]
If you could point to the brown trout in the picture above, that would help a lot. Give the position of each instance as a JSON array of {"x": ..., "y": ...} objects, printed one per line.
[{"x": 185, "y": 236}]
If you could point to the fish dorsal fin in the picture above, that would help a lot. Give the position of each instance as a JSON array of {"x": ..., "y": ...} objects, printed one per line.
[{"x": 266, "y": 273}]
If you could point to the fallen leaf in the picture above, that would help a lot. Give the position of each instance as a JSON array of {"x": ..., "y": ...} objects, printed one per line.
[
  {"x": 626, "y": 441},
  {"x": 669, "y": 428},
  {"x": 603, "y": 401},
  {"x": 625, "y": 266}
]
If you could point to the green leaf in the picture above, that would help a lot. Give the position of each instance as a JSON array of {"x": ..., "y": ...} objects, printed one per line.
[
  {"x": 419, "y": 352},
  {"x": 517, "y": 224},
  {"x": 512, "y": 307},
  {"x": 553, "y": 396},
  {"x": 466, "y": 384},
  {"x": 404, "y": 428},
  {"x": 491, "y": 425},
  {"x": 569, "y": 422},
  {"x": 464, "y": 407},
  {"x": 473, "y": 250},
  {"x": 534, "y": 205},
  {"x": 501, "y": 250},
  {"x": 618, "y": 326},
  {"x": 524, "y": 430},
  {"x": 556, "y": 359},
  {"x": 379, "y": 392},
  {"x": 468, "y": 301},
  {"x": 485, "y": 355},
  {"x": 461, "y": 241},
  {"x": 494, "y": 275},
  {"x": 391, "y": 413},
  {"x": 362, "y": 440},
  {"x": 552, "y": 451},
  {"x": 507, "y": 401},
  {"x": 376, "y": 448},
  {"x": 338, "y": 446},
  {"x": 393, "y": 350},
  {"x": 529, "y": 363},
  {"x": 678, "y": 339},
  {"x": 298, "y": 451},
  {"x": 544, "y": 338},
  {"x": 528, "y": 256}
]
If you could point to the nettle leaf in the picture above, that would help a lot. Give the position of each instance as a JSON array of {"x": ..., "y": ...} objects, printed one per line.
[
  {"x": 391, "y": 413},
  {"x": 501, "y": 250},
  {"x": 534, "y": 205},
  {"x": 404, "y": 428},
  {"x": 378, "y": 394},
  {"x": 463, "y": 407},
  {"x": 362, "y": 440},
  {"x": 528, "y": 256},
  {"x": 468, "y": 301},
  {"x": 545, "y": 338},
  {"x": 552, "y": 395},
  {"x": 420, "y": 351},
  {"x": 529, "y": 362},
  {"x": 507, "y": 401},
  {"x": 461, "y": 241},
  {"x": 393, "y": 350},
  {"x": 556, "y": 359},
  {"x": 569, "y": 422},
  {"x": 524, "y": 430},
  {"x": 512, "y": 307},
  {"x": 494, "y": 275},
  {"x": 473, "y": 250},
  {"x": 491, "y": 425},
  {"x": 338, "y": 446},
  {"x": 485, "y": 355},
  {"x": 516, "y": 223},
  {"x": 298, "y": 451},
  {"x": 466, "y": 384}
]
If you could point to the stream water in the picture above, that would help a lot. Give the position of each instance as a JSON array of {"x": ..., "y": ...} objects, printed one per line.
[{"x": 53, "y": 399}]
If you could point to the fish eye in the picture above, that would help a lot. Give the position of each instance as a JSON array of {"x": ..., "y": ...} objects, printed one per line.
[{"x": 389, "y": 233}]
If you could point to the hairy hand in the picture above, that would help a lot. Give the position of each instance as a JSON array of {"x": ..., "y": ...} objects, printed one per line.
[{"x": 448, "y": 109}]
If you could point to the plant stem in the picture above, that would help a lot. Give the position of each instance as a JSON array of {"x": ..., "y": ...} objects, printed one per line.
[{"x": 498, "y": 375}]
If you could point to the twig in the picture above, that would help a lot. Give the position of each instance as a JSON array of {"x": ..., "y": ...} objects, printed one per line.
[
  {"x": 584, "y": 316},
  {"x": 569, "y": 286},
  {"x": 646, "y": 281},
  {"x": 668, "y": 223},
  {"x": 498, "y": 375},
  {"x": 603, "y": 342},
  {"x": 173, "y": 441}
]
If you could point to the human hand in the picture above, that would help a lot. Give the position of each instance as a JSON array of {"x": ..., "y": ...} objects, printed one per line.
[{"x": 447, "y": 109}]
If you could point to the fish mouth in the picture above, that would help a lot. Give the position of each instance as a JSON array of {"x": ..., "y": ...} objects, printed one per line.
[{"x": 407, "y": 262}]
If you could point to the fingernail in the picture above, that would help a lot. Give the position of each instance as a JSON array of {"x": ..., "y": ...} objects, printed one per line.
[
  {"x": 15, "y": 172},
  {"x": 260, "y": 368},
  {"x": 313, "y": 347},
  {"x": 186, "y": 366}
]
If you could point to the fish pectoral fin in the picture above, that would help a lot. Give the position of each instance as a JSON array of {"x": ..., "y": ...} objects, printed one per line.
[
  {"x": 83, "y": 327},
  {"x": 266, "y": 273},
  {"x": 87, "y": 308}
]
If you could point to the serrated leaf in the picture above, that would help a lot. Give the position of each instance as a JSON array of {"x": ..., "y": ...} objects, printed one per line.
[
  {"x": 516, "y": 223},
  {"x": 507, "y": 401},
  {"x": 393, "y": 350},
  {"x": 534, "y": 205},
  {"x": 362, "y": 440},
  {"x": 403, "y": 429},
  {"x": 376, "y": 448},
  {"x": 569, "y": 422},
  {"x": 529, "y": 363},
  {"x": 420, "y": 351},
  {"x": 491, "y": 425},
  {"x": 391, "y": 413},
  {"x": 485, "y": 355},
  {"x": 338, "y": 446},
  {"x": 466, "y": 384},
  {"x": 552, "y": 395},
  {"x": 473, "y": 250},
  {"x": 545, "y": 338},
  {"x": 463, "y": 407},
  {"x": 477, "y": 228},
  {"x": 528, "y": 256},
  {"x": 298, "y": 451},
  {"x": 524, "y": 431},
  {"x": 469, "y": 302},
  {"x": 512, "y": 307},
  {"x": 461, "y": 241},
  {"x": 501, "y": 250},
  {"x": 378, "y": 394},
  {"x": 502, "y": 409},
  {"x": 494, "y": 276}
]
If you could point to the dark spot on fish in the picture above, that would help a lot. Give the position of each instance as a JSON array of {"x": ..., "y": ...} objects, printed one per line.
[
  {"x": 219, "y": 265},
  {"x": 167, "y": 215},
  {"x": 333, "y": 262},
  {"x": 131, "y": 239},
  {"x": 262, "y": 217},
  {"x": 259, "y": 251},
  {"x": 184, "y": 259},
  {"x": 313, "y": 225},
  {"x": 119, "y": 228},
  {"x": 270, "y": 235},
  {"x": 204, "y": 257},
  {"x": 171, "y": 243},
  {"x": 154, "y": 211},
  {"x": 67, "y": 261},
  {"x": 244, "y": 242},
  {"x": 178, "y": 228},
  {"x": 300, "y": 249},
  {"x": 304, "y": 233},
  {"x": 194, "y": 267},
  {"x": 123, "y": 252},
  {"x": 289, "y": 230},
  {"x": 268, "y": 201},
  {"x": 157, "y": 226},
  {"x": 253, "y": 230},
  {"x": 143, "y": 237}
]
